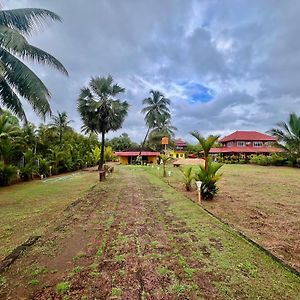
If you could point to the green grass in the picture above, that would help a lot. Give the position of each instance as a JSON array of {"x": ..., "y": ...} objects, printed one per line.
[
  {"x": 252, "y": 272},
  {"x": 63, "y": 287},
  {"x": 27, "y": 209}
]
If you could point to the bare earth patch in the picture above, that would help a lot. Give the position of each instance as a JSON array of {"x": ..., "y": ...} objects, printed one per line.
[
  {"x": 262, "y": 202},
  {"x": 134, "y": 237}
]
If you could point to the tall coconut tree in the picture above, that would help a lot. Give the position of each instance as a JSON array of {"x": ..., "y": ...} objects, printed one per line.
[
  {"x": 17, "y": 80},
  {"x": 156, "y": 111},
  {"x": 61, "y": 124},
  {"x": 164, "y": 128},
  {"x": 288, "y": 137},
  {"x": 100, "y": 111}
]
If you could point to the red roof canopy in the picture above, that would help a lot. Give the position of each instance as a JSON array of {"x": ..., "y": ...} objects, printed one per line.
[
  {"x": 248, "y": 136},
  {"x": 245, "y": 150},
  {"x": 180, "y": 143},
  {"x": 136, "y": 153}
]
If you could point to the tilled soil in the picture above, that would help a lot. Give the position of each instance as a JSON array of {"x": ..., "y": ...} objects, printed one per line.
[{"x": 121, "y": 241}]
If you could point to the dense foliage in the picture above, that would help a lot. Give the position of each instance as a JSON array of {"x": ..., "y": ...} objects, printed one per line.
[
  {"x": 100, "y": 110},
  {"x": 207, "y": 174},
  {"x": 17, "y": 81},
  {"x": 288, "y": 135},
  {"x": 28, "y": 151}
]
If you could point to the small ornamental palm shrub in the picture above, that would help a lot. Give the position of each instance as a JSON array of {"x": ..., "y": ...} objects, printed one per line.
[
  {"x": 188, "y": 178},
  {"x": 165, "y": 158},
  {"x": 7, "y": 173},
  {"x": 209, "y": 177}
]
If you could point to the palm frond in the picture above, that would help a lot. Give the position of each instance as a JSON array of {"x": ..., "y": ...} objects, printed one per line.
[{"x": 27, "y": 20}]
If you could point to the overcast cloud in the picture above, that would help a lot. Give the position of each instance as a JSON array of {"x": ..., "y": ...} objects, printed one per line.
[{"x": 226, "y": 65}]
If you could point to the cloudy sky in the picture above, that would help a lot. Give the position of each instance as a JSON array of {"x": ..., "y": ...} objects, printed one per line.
[{"x": 225, "y": 65}]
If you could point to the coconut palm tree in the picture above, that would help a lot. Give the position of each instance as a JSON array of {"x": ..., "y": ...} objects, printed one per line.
[
  {"x": 61, "y": 124},
  {"x": 16, "y": 79},
  {"x": 9, "y": 130},
  {"x": 288, "y": 135},
  {"x": 206, "y": 144},
  {"x": 100, "y": 111},
  {"x": 156, "y": 111}
]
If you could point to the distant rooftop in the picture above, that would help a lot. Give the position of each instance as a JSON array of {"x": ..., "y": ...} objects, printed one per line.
[
  {"x": 248, "y": 136},
  {"x": 180, "y": 142}
]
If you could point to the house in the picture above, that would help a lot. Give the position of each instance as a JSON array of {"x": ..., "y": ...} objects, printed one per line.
[
  {"x": 179, "y": 150},
  {"x": 129, "y": 156},
  {"x": 245, "y": 143}
]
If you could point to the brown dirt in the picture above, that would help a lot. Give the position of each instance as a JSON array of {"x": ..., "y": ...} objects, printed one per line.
[
  {"x": 112, "y": 242},
  {"x": 261, "y": 202}
]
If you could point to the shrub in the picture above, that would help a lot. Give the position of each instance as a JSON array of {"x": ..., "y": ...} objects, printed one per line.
[
  {"x": 188, "y": 178},
  {"x": 7, "y": 173},
  {"x": 44, "y": 167},
  {"x": 209, "y": 180},
  {"x": 26, "y": 172}
]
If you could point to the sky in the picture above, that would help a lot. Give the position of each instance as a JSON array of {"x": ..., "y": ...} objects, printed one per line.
[{"x": 225, "y": 65}]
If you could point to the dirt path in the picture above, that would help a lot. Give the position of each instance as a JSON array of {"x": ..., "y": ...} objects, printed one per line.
[{"x": 134, "y": 238}]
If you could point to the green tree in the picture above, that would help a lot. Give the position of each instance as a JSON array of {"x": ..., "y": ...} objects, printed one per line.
[
  {"x": 165, "y": 158},
  {"x": 288, "y": 137},
  {"x": 207, "y": 174},
  {"x": 206, "y": 144},
  {"x": 164, "y": 128},
  {"x": 9, "y": 130},
  {"x": 16, "y": 79},
  {"x": 122, "y": 142},
  {"x": 156, "y": 111},
  {"x": 61, "y": 124},
  {"x": 100, "y": 111},
  {"x": 208, "y": 177},
  {"x": 188, "y": 178}
]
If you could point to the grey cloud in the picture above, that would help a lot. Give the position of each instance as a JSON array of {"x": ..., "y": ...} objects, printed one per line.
[{"x": 225, "y": 45}]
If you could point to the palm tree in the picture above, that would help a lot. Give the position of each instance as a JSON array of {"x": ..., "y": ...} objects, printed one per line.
[
  {"x": 156, "y": 110},
  {"x": 288, "y": 137},
  {"x": 16, "y": 79},
  {"x": 208, "y": 177},
  {"x": 9, "y": 129},
  {"x": 100, "y": 111},
  {"x": 206, "y": 144},
  {"x": 60, "y": 123}
]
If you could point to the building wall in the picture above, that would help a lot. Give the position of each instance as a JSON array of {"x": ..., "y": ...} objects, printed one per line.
[
  {"x": 177, "y": 154},
  {"x": 246, "y": 143},
  {"x": 152, "y": 160},
  {"x": 123, "y": 160}
]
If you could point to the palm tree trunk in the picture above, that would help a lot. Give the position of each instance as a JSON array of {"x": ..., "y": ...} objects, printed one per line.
[
  {"x": 143, "y": 144},
  {"x": 100, "y": 168}
]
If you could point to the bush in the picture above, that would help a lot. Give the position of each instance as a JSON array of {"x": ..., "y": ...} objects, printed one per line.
[
  {"x": 44, "y": 167},
  {"x": 7, "y": 173},
  {"x": 188, "y": 178},
  {"x": 26, "y": 173},
  {"x": 209, "y": 180}
]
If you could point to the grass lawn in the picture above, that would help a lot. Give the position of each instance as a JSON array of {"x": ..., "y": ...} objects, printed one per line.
[
  {"x": 262, "y": 202},
  {"x": 135, "y": 237},
  {"x": 27, "y": 209}
]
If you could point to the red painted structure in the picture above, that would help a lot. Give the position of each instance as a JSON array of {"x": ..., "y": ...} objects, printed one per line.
[{"x": 246, "y": 143}]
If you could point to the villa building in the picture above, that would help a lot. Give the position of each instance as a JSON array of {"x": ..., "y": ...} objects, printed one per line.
[
  {"x": 245, "y": 143},
  {"x": 179, "y": 150}
]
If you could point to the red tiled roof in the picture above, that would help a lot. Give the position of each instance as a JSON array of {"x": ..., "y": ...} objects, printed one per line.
[
  {"x": 247, "y": 136},
  {"x": 180, "y": 142},
  {"x": 245, "y": 150},
  {"x": 136, "y": 153}
]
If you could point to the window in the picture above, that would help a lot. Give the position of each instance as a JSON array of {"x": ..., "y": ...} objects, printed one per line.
[
  {"x": 229, "y": 144},
  {"x": 257, "y": 144},
  {"x": 241, "y": 144}
]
